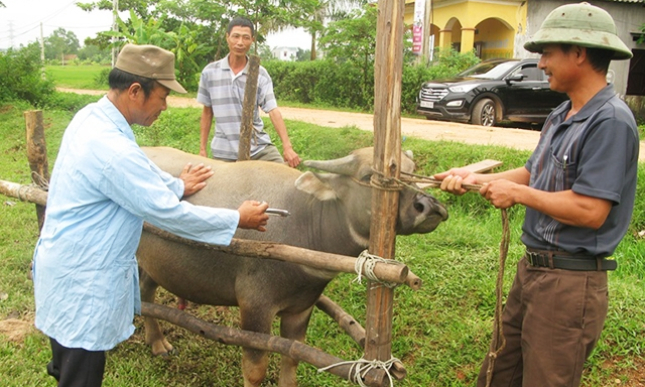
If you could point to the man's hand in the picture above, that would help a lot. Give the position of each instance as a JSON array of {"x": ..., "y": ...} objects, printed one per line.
[
  {"x": 452, "y": 180},
  {"x": 195, "y": 178},
  {"x": 290, "y": 156},
  {"x": 252, "y": 216},
  {"x": 500, "y": 193}
]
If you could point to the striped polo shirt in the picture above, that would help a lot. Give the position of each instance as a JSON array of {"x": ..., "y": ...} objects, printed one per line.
[{"x": 224, "y": 92}]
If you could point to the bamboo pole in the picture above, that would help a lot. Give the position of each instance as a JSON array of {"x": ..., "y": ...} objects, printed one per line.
[
  {"x": 387, "y": 159},
  {"x": 37, "y": 155},
  {"x": 248, "y": 108},
  {"x": 335, "y": 262},
  {"x": 229, "y": 336}
]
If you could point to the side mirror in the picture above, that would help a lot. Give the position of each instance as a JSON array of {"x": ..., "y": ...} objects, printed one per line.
[{"x": 515, "y": 78}]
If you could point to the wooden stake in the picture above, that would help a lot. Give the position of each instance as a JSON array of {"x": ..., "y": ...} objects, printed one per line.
[
  {"x": 248, "y": 108},
  {"x": 387, "y": 160},
  {"x": 37, "y": 155}
]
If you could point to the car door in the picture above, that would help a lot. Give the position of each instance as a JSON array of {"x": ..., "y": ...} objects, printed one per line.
[
  {"x": 533, "y": 95},
  {"x": 524, "y": 94}
]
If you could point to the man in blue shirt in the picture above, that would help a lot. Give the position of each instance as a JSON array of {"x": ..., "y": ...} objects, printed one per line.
[
  {"x": 102, "y": 189},
  {"x": 578, "y": 188}
]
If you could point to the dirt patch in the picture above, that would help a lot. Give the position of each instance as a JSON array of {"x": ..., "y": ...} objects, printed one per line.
[{"x": 15, "y": 330}]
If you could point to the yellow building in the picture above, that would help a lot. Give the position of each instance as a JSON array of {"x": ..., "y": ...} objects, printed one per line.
[{"x": 493, "y": 28}]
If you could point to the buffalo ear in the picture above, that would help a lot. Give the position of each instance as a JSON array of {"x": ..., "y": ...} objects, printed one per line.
[{"x": 310, "y": 183}]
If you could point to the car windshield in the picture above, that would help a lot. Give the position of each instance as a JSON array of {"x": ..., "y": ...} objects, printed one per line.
[{"x": 487, "y": 70}]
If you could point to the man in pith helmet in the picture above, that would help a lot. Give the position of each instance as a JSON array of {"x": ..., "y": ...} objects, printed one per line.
[{"x": 578, "y": 188}]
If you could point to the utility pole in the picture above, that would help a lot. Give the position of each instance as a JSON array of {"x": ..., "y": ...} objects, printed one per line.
[
  {"x": 11, "y": 33},
  {"x": 42, "y": 49},
  {"x": 426, "y": 53},
  {"x": 115, "y": 10}
]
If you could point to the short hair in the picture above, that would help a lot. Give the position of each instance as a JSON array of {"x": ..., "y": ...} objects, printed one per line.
[
  {"x": 599, "y": 58},
  {"x": 240, "y": 22},
  {"x": 121, "y": 80}
]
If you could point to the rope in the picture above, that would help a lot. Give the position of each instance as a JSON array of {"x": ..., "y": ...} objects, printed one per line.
[
  {"x": 361, "y": 367},
  {"x": 40, "y": 181},
  {"x": 367, "y": 262},
  {"x": 498, "y": 341},
  {"x": 22, "y": 193}
]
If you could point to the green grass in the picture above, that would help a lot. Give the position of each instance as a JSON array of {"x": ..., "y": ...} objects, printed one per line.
[
  {"x": 441, "y": 332},
  {"x": 76, "y": 76}
]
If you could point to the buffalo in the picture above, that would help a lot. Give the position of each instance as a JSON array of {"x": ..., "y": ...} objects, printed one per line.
[{"x": 330, "y": 212}]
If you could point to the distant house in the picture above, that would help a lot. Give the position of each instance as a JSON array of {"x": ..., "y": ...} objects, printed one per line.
[{"x": 289, "y": 54}]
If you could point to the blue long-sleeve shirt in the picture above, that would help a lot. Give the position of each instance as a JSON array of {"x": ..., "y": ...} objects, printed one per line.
[{"x": 102, "y": 189}]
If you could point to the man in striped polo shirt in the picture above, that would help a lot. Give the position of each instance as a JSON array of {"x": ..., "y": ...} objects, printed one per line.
[{"x": 221, "y": 91}]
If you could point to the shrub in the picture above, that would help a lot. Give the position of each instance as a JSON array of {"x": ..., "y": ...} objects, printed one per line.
[
  {"x": 21, "y": 76},
  {"x": 70, "y": 102},
  {"x": 101, "y": 79}
]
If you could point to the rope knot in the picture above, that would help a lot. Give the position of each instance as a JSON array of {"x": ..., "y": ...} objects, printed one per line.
[
  {"x": 359, "y": 368},
  {"x": 367, "y": 262}
]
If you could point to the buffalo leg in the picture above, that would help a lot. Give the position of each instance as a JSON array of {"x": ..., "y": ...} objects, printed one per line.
[
  {"x": 255, "y": 362},
  {"x": 154, "y": 334},
  {"x": 294, "y": 327}
]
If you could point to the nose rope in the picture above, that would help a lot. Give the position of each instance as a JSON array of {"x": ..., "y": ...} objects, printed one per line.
[{"x": 409, "y": 180}]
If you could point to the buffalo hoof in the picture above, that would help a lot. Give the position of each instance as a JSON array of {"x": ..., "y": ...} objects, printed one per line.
[{"x": 162, "y": 348}]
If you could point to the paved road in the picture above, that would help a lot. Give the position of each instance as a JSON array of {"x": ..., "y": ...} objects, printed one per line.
[{"x": 523, "y": 139}]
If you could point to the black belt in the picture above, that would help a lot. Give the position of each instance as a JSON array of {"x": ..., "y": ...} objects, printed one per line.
[{"x": 567, "y": 261}]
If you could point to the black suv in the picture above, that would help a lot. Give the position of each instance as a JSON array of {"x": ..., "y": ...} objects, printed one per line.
[{"x": 489, "y": 92}]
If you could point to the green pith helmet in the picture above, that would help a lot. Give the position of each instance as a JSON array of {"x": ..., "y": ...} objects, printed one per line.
[{"x": 582, "y": 25}]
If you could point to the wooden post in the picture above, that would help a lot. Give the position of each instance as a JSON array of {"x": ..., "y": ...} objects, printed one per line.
[
  {"x": 248, "y": 108},
  {"x": 37, "y": 155},
  {"x": 387, "y": 159}
]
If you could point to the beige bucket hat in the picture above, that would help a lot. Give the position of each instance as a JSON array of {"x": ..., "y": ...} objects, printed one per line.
[
  {"x": 582, "y": 25},
  {"x": 149, "y": 61}
]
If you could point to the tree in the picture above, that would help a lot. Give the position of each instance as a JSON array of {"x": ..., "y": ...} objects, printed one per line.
[
  {"x": 303, "y": 55},
  {"x": 352, "y": 40},
  {"x": 61, "y": 42},
  {"x": 328, "y": 10},
  {"x": 93, "y": 53}
]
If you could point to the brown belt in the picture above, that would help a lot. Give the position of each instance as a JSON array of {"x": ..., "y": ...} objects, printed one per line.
[{"x": 567, "y": 261}]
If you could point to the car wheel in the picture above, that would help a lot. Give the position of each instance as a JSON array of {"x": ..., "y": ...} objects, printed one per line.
[{"x": 484, "y": 113}]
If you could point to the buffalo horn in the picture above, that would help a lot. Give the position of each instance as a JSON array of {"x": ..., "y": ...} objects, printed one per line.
[{"x": 342, "y": 166}]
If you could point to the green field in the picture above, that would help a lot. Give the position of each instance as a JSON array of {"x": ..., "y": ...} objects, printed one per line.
[
  {"x": 76, "y": 77},
  {"x": 440, "y": 333}
]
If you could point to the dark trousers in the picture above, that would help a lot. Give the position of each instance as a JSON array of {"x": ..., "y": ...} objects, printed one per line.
[
  {"x": 76, "y": 367},
  {"x": 551, "y": 321}
]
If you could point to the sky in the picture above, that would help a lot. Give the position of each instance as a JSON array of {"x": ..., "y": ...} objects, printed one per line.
[{"x": 20, "y": 23}]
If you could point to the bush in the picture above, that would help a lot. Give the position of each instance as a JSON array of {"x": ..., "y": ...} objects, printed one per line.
[
  {"x": 70, "y": 102},
  {"x": 101, "y": 79},
  {"x": 21, "y": 76}
]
